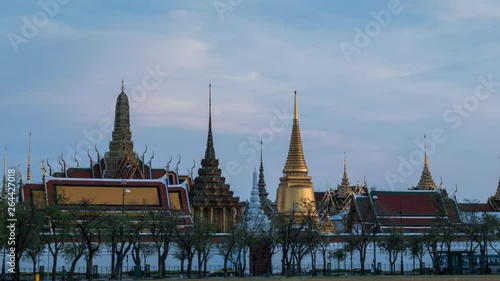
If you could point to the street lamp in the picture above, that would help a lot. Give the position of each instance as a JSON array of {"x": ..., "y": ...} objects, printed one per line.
[
  {"x": 124, "y": 191},
  {"x": 401, "y": 226},
  {"x": 374, "y": 233}
]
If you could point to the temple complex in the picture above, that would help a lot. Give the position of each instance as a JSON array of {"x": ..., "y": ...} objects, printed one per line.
[
  {"x": 210, "y": 195},
  {"x": 119, "y": 180},
  {"x": 295, "y": 189}
]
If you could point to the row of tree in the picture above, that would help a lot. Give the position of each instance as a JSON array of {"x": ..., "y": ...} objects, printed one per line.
[{"x": 82, "y": 231}]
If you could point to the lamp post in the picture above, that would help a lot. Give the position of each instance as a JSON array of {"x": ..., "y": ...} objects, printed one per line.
[
  {"x": 401, "y": 226},
  {"x": 124, "y": 191},
  {"x": 374, "y": 233}
]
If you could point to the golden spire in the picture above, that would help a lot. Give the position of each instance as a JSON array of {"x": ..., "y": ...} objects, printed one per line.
[
  {"x": 345, "y": 164},
  {"x": 426, "y": 182},
  {"x": 295, "y": 162},
  {"x": 345, "y": 187},
  {"x": 28, "y": 172},
  {"x": 426, "y": 164}
]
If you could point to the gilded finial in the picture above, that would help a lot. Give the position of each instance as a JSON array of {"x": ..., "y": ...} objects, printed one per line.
[
  {"x": 60, "y": 163},
  {"x": 63, "y": 162},
  {"x": 90, "y": 158},
  {"x": 150, "y": 159},
  {"x": 295, "y": 108},
  {"x": 425, "y": 151},
  {"x": 76, "y": 160},
  {"x": 97, "y": 151},
  {"x": 43, "y": 169},
  {"x": 144, "y": 153},
  {"x": 168, "y": 164},
  {"x": 177, "y": 165},
  {"x": 192, "y": 168},
  {"x": 28, "y": 172},
  {"x": 345, "y": 164},
  {"x": 50, "y": 167}
]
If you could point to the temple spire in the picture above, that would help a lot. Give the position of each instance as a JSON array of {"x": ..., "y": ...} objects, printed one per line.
[
  {"x": 345, "y": 165},
  {"x": 28, "y": 172},
  {"x": 345, "y": 186},
  {"x": 295, "y": 187},
  {"x": 121, "y": 144},
  {"x": 295, "y": 162},
  {"x": 426, "y": 182},
  {"x": 426, "y": 163},
  {"x": 497, "y": 194},
  {"x": 210, "y": 150},
  {"x": 262, "y": 184}
]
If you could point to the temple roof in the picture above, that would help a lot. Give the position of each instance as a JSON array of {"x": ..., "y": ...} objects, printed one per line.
[
  {"x": 413, "y": 210},
  {"x": 295, "y": 162}
]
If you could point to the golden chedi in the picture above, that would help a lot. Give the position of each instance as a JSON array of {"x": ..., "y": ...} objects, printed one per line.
[{"x": 295, "y": 189}]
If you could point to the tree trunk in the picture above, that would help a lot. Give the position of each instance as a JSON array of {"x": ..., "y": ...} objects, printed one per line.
[
  {"x": 90, "y": 264},
  {"x": 73, "y": 266},
  {"x": 324, "y": 262},
  {"x": 54, "y": 266},
  {"x": 34, "y": 265}
]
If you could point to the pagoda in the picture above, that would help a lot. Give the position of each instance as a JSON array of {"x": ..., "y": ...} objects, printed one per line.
[
  {"x": 426, "y": 181},
  {"x": 295, "y": 190},
  {"x": 267, "y": 205},
  {"x": 210, "y": 196}
]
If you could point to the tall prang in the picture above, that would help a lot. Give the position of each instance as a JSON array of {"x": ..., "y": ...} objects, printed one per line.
[
  {"x": 121, "y": 145},
  {"x": 210, "y": 196},
  {"x": 295, "y": 189}
]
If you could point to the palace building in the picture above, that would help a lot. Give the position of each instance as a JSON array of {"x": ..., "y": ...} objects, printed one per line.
[{"x": 120, "y": 179}]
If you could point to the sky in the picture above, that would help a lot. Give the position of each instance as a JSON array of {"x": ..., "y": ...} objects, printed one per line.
[{"x": 373, "y": 77}]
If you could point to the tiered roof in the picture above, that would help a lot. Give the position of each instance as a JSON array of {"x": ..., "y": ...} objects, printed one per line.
[
  {"x": 414, "y": 211},
  {"x": 210, "y": 188}
]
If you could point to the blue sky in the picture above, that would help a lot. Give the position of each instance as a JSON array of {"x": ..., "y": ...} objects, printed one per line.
[{"x": 420, "y": 66}]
